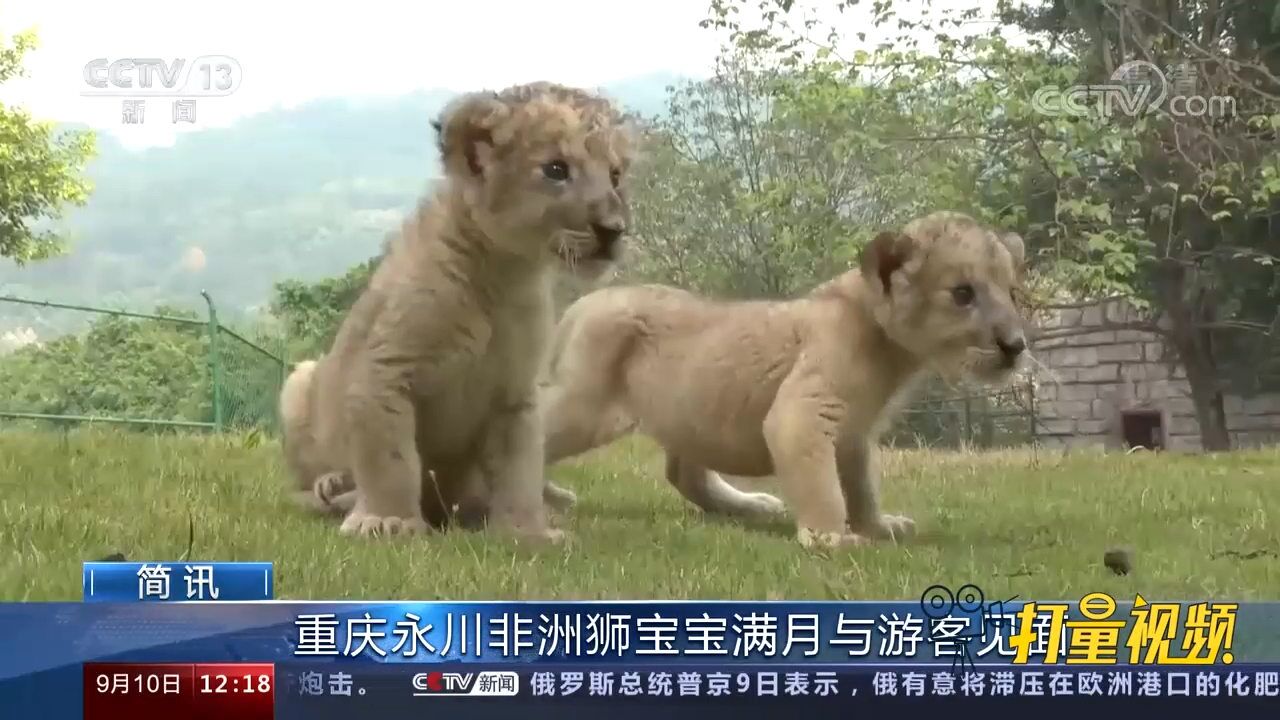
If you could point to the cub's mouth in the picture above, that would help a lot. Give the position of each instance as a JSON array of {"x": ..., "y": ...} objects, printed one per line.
[
  {"x": 597, "y": 253},
  {"x": 579, "y": 247},
  {"x": 591, "y": 264}
]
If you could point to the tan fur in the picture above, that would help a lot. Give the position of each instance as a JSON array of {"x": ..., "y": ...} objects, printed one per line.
[
  {"x": 431, "y": 380},
  {"x": 798, "y": 389},
  {"x": 301, "y": 455}
]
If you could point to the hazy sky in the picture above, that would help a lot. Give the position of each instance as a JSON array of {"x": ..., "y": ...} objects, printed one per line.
[
  {"x": 295, "y": 50},
  {"x": 292, "y": 51}
]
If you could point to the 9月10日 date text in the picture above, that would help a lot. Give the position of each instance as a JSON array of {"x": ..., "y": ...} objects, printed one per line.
[{"x": 139, "y": 691}]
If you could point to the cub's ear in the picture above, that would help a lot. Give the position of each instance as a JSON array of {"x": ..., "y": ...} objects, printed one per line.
[
  {"x": 1017, "y": 250},
  {"x": 465, "y": 133},
  {"x": 883, "y": 256}
]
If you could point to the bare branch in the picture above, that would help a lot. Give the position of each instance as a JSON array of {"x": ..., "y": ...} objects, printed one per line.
[{"x": 1081, "y": 304}]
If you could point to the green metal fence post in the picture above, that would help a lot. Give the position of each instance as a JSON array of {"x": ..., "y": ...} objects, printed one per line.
[
  {"x": 1031, "y": 410},
  {"x": 215, "y": 368}
]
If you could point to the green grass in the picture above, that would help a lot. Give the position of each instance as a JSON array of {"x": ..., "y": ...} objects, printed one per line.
[{"x": 1016, "y": 522}]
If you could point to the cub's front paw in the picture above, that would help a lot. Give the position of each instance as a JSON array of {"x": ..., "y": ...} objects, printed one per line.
[
  {"x": 544, "y": 537},
  {"x": 558, "y": 498},
  {"x": 329, "y": 486},
  {"x": 822, "y": 540},
  {"x": 895, "y": 528},
  {"x": 366, "y": 525}
]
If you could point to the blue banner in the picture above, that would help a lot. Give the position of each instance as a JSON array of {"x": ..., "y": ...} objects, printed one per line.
[
  {"x": 733, "y": 655},
  {"x": 178, "y": 581}
]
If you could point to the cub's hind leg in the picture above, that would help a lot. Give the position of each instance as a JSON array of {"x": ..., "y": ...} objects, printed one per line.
[{"x": 715, "y": 495}]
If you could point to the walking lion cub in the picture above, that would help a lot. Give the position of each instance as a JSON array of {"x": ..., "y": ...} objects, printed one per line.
[{"x": 796, "y": 389}]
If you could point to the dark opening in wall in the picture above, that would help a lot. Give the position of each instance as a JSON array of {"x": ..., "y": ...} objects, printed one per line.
[{"x": 1142, "y": 428}]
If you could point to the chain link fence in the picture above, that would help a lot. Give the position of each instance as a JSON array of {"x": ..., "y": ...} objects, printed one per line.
[
  {"x": 68, "y": 364},
  {"x": 964, "y": 417}
]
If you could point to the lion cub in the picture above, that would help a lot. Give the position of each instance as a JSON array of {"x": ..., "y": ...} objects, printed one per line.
[
  {"x": 797, "y": 389},
  {"x": 432, "y": 375}
]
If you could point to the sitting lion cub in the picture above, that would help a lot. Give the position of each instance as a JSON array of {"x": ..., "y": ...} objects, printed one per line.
[
  {"x": 796, "y": 389},
  {"x": 432, "y": 378}
]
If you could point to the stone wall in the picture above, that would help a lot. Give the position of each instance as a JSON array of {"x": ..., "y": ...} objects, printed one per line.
[{"x": 1104, "y": 369}]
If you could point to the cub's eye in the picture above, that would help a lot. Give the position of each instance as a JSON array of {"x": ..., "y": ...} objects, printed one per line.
[
  {"x": 557, "y": 170},
  {"x": 963, "y": 294},
  {"x": 615, "y": 176}
]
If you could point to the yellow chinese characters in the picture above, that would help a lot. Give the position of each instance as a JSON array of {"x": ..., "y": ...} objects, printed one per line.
[
  {"x": 1032, "y": 631},
  {"x": 1206, "y": 633},
  {"x": 1095, "y": 640},
  {"x": 1210, "y": 630},
  {"x": 1155, "y": 625}
]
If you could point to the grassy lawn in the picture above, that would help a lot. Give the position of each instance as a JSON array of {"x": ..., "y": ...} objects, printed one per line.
[{"x": 1025, "y": 523}]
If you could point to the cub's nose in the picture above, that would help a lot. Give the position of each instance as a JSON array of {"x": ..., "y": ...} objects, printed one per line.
[
  {"x": 607, "y": 235},
  {"x": 1012, "y": 348}
]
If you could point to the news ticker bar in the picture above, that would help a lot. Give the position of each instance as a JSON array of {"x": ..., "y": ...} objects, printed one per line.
[
  {"x": 261, "y": 691},
  {"x": 178, "y": 581}
]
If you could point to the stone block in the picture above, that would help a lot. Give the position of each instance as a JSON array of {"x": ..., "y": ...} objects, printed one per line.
[
  {"x": 1101, "y": 337},
  {"x": 1078, "y": 392},
  {"x": 1232, "y": 404},
  {"x": 1143, "y": 372},
  {"x": 1254, "y": 422},
  {"x": 1064, "y": 409},
  {"x": 1119, "y": 393},
  {"x": 1140, "y": 336},
  {"x": 1183, "y": 443},
  {"x": 1069, "y": 317},
  {"x": 1061, "y": 375},
  {"x": 1265, "y": 404},
  {"x": 1093, "y": 427},
  {"x": 1118, "y": 311},
  {"x": 1091, "y": 316},
  {"x": 1245, "y": 440},
  {"x": 1109, "y": 372},
  {"x": 1056, "y": 425},
  {"x": 1153, "y": 350},
  {"x": 1182, "y": 425},
  {"x": 1042, "y": 344},
  {"x": 1075, "y": 357},
  {"x": 1081, "y": 442},
  {"x": 1102, "y": 409},
  {"x": 1128, "y": 352}
]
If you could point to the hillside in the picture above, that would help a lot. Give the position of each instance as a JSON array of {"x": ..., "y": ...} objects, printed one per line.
[{"x": 299, "y": 193}]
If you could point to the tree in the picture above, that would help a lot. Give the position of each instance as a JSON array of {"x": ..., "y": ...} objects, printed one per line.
[
  {"x": 1187, "y": 191},
  {"x": 1176, "y": 209},
  {"x": 312, "y": 312},
  {"x": 766, "y": 178},
  {"x": 119, "y": 367},
  {"x": 39, "y": 170}
]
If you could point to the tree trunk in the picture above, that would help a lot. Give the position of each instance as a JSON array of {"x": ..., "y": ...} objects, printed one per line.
[
  {"x": 1195, "y": 351},
  {"x": 1203, "y": 378}
]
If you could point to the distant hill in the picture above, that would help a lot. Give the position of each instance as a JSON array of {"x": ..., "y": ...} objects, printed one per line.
[{"x": 300, "y": 193}]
